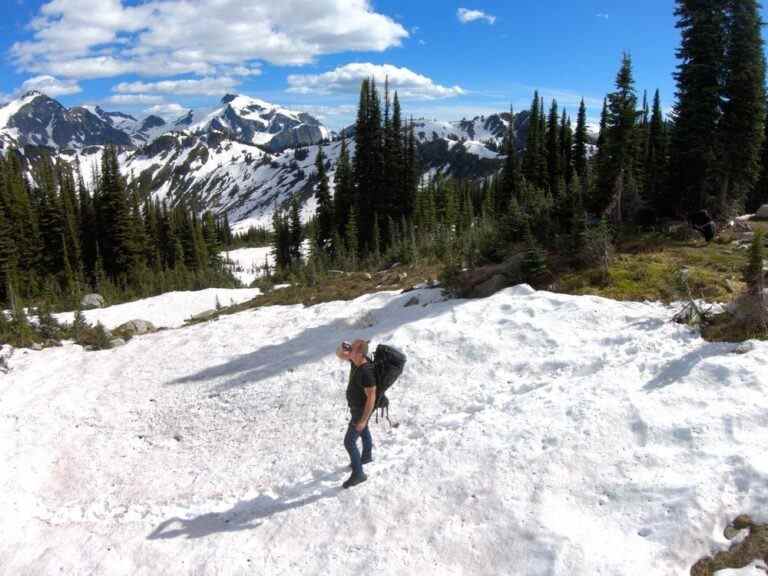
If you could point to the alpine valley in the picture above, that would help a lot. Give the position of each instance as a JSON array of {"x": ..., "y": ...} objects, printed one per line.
[{"x": 240, "y": 158}]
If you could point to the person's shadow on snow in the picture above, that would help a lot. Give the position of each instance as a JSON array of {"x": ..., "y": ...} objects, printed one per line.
[{"x": 245, "y": 515}]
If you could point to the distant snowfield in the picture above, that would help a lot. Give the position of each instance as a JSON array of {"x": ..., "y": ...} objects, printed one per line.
[
  {"x": 247, "y": 264},
  {"x": 540, "y": 434},
  {"x": 168, "y": 310}
]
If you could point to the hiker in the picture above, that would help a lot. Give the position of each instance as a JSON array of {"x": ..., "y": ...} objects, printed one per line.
[{"x": 361, "y": 398}]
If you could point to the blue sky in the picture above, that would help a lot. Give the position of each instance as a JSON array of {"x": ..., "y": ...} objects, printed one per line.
[{"x": 447, "y": 59}]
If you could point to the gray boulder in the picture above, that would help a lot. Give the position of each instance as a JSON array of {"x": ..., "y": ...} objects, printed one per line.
[
  {"x": 115, "y": 342},
  {"x": 136, "y": 328},
  {"x": 762, "y": 212},
  {"x": 90, "y": 301}
]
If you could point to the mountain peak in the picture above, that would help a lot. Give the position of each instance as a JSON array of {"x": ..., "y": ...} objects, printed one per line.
[
  {"x": 228, "y": 98},
  {"x": 31, "y": 94}
]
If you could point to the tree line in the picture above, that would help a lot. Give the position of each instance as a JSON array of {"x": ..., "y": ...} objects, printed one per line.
[
  {"x": 374, "y": 192},
  {"x": 564, "y": 191},
  {"x": 59, "y": 239}
]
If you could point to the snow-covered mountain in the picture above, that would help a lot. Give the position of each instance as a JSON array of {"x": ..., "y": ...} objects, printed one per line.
[
  {"x": 242, "y": 157},
  {"x": 37, "y": 120},
  {"x": 253, "y": 121}
]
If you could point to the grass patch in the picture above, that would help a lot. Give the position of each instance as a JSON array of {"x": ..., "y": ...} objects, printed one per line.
[
  {"x": 651, "y": 267},
  {"x": 332, "y": 287}
]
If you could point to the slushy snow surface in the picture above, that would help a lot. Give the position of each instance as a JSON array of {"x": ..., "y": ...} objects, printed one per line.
[{"x": 540, "y": 434}]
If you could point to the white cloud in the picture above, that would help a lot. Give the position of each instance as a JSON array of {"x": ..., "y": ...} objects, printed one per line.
[
  {"x": 50, "y": 86},
  {"x": 170, "y": 111},
  {"x": 202, "y": 86},
  {"x": 243, "y": 71},
  {"x": 135, "y": 99},
  {"x": 465, "y": 16},
  {"x": 602, "y": 15},
  {"x": 347, "y": 78},
  {"x": 102, "y": 38}
]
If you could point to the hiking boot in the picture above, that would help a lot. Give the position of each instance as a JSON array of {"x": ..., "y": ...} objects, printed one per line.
[
  {"x": 354, "y": 480},
  {"x": 363, "y": 461}
]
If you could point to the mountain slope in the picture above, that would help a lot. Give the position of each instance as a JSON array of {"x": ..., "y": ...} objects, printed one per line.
[
  {"x": 242, "y": 157},
  {"x": 539, "y": 434}
]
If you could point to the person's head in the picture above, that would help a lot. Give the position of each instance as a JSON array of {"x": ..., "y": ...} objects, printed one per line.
[
  {"x": 359, "y": 351},
  {"x": 356, "y": 352}
]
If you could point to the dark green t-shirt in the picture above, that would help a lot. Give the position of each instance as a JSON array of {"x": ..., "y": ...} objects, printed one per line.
[{"x": 359, "y": 379}]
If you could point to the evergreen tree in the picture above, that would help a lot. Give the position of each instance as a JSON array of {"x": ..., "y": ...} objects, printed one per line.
[
  {"x": 281, "y": 249},
  {"x": 742, "y": 124},
  {"x": 656, "y": 158},
  {"x": 352, "y": 234},
  {"x": 530, "y": 156},
  {"x": 618, "y": 164},
  {"x": 580, "y": 141},
  {"x": 553, "y": 151},
  {"x": 324, "y": 214},
  {"x": 759, "y": 193},
  {"x": 344, "y": 192},
  {"x": 693, "y": 147},
  {"x": 295, "y": 228},
  {"x": 510, "y": 175}
]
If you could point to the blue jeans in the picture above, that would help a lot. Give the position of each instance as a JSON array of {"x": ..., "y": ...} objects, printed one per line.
[{"x": 350, "y": 443}]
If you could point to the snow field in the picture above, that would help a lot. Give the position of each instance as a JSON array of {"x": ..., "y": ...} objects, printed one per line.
[
  {"x": 169, "y": 310},
  {"x": 247, "y": 264},
  {"x": 540, "y": 434}
]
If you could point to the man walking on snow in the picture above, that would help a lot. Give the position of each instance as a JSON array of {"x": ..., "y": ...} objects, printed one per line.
[{"x": 361, "y": 398}]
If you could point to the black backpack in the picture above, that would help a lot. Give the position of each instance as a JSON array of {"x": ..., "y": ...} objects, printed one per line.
[{"x": 388, "y": 363}]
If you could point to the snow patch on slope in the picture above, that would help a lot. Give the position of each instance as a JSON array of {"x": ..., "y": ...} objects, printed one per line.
[{"x": 168, "y": 310}]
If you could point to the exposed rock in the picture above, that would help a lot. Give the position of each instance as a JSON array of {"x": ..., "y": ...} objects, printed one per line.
[
  {"x": 115, "y": 342},
  {"x": 36, "y": 347},
  {"x": 203, "y": 316},
  {"x": 90, "y": 301},
  {"x": 367, "y": 276},
  {"x": 762, "y": 212},
  {"x": 413, "y": 301},
  {"x": 484, "y": 281},
  {"x": 136, "y": 328}
]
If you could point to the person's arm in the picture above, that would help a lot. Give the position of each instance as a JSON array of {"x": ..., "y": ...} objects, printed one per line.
[{"x": 370, "y": 403}]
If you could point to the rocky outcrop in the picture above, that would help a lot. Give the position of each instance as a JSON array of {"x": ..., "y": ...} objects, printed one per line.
[
  {"x": 136, "y": 328},
  {"x": 91, "y": 301}
]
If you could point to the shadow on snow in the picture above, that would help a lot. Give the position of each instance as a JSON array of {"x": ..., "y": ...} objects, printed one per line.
[{"x": 246, "y": 515}]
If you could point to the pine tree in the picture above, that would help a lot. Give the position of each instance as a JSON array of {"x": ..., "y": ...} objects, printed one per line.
[
  {"x": 344, "y": 192},
  {"x": 742, "y": 124},
  {"x": 510, "y": 175},
  {"x": 693, "y": 147},
  {"x": 296, "y": 230},
  {"x": 113, "y": 212},
  {"x": 410, "y": 171},
  {"x": 352, "y": 235},
  {"x": 656, "y": 158},
  {"x": 618, "y": 164},
  {"x": 531, "y": 159},
  {"x": 324, "y": 214},
  {"x": 759, "y": 193},
  {"x": 580, "y": 141},
  {"x": 281, "y": 249},
  {"x": 553, "y": 151}
]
